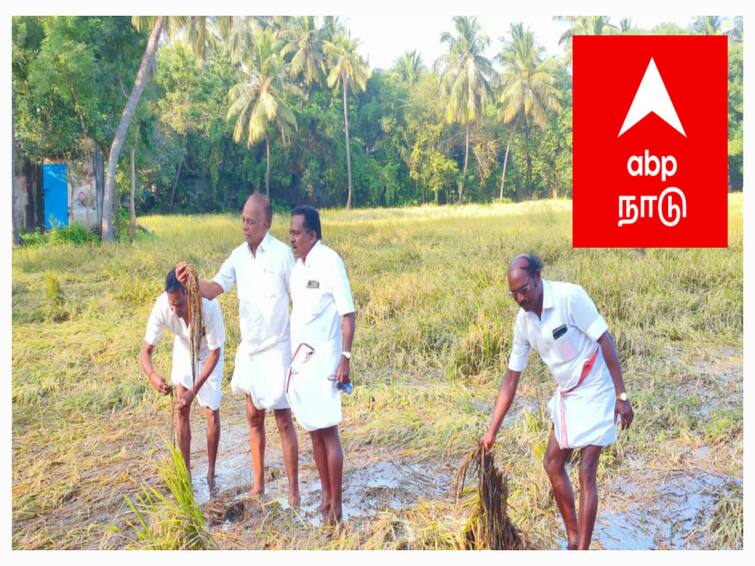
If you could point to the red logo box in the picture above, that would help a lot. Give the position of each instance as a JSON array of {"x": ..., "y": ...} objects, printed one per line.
[{"x": 650, "y": 141}]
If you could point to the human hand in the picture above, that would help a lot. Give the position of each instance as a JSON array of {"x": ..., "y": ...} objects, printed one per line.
[
  {"x": 342, "y": 372},
  {"x": 160, "y": 384},
  {"x": 185, "y": 399},
  {"x": 625, "y": 413},
  {"x": 488, "y": 440},
  {"x": 182, "y": 272}
]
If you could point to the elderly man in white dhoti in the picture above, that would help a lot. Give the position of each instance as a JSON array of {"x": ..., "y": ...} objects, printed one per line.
[
  {"x": 260, "y": 269},
  {"x": 560, "y": 321}
]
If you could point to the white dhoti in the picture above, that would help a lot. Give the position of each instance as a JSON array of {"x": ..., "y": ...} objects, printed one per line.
[
  {"x": 584, "y": 414},
  {"x": 311, "y": 387},
  {"x": 262, "y": 375},
  {"x": 209, "y": 394}
]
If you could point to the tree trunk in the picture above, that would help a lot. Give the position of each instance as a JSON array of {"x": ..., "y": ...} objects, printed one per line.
[
  {"x": 505, "y": 162},
  {"x": 267, "y": 167},
  {"x": 464, "y": 172},
  {"x": 98, "y": 166},
  {"x": 120, "y": 134},
  {"x": 506, "y": 159},
  {"x": 346, "y": 131},
  {"x": 14, "y": 209},
  {"x": 132, "y": 223},
  {"x": 529, "y": 157},
  {"x": 175, "y": 184}
]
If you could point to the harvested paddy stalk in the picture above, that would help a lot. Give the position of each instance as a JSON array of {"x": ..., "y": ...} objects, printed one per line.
[
  {"x": 196, "y": 325},
  {"x": 489, "y": 526}
]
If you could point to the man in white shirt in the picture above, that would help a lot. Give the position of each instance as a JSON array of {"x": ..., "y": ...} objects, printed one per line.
[
  {"x": 322, "y": 329},
  {"x": 203, "y": 383},
  {"x": 260, "y": 269},
  {"x": 560, "y": 321}
]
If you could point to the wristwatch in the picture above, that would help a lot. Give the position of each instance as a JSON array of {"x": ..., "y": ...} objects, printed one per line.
[
  {"x": 623, "y": 396},
  {"x": 346, "y": 355}
]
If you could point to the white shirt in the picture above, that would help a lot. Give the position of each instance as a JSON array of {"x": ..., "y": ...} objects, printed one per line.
[
  {"x": 321, "y": 295},
  {"x": 262, "y": 282},
  {"x": 564, "y": 304},
  {"x": 162, "y": 317}
]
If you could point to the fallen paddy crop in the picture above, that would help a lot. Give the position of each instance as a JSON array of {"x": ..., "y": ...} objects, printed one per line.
[{"x": 434, "y": 328}]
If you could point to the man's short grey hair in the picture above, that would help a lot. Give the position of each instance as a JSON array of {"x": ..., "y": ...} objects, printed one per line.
[
  {"x": 534, "y": 264},
  {"x": 266, "y": 202}
]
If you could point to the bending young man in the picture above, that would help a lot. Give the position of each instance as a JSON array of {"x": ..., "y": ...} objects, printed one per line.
[{"x": 171, "y": 311}]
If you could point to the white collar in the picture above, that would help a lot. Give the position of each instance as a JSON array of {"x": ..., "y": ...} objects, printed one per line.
[
  {"x": 263, "y": 245},
  {"x": 315, "y": 250}
]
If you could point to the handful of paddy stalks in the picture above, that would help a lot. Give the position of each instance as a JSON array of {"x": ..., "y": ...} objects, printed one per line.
[
  {"x": 489, "y": 527},
  {"x": 196, "y": 325}
]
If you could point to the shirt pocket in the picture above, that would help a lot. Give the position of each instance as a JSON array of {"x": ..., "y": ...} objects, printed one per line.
[
  {"x": 271, "y": 284},
  {"x": 314, "y": 298},
  {"x": 565, "y": 346}
]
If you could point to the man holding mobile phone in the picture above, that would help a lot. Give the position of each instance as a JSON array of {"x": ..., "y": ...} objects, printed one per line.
[{"x": 322, "y": 329}]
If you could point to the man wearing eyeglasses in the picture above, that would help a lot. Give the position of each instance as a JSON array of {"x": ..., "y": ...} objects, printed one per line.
[
  {"x": 560, "y": 321},
  {"x": 261, "y": 268}
]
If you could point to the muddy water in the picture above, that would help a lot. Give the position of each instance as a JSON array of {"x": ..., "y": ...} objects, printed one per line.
[
  {"x": 370, "y": 483},
  {"x": 657, "y": 511},
  {"x": 652, "y": 510},
  {"x": 380, "y": 485},
  {"x": 663, "y": 512},
  {"x": 233, "y": 468}
]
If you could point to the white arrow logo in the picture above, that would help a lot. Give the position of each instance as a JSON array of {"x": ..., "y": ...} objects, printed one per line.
[{"x": 652, "y": 96}]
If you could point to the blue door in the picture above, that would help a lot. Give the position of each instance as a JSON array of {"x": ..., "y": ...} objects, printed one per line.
[{"x": 55, "y": 180}]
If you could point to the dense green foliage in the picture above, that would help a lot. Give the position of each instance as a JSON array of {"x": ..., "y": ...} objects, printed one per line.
[{"x": 407, "y": 134}]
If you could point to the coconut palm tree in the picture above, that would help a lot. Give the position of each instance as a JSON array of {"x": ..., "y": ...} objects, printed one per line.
[
  {"x": 346, "y": 68},
  {"x": 710, "y": 25},
  {"x": 331, "y": 25},
  {"x": 408, "y": 68},
  {"x": 528, "y": 91},
  {"x": 194, "y": 29},
  {"x": 257, "y": 101},
  {"x": 142, "y": 76},
  {"x": 305, "y": 41},
  {"x": 465, "y": 78},
  {"x": 584, "y": 25}
]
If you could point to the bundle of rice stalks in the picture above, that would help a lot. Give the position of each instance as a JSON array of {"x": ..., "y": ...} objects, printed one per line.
[
  {"x": 196, "y": 325},
  {"x": 174, "y": 523},
  {"x": 489, "y": 527}
]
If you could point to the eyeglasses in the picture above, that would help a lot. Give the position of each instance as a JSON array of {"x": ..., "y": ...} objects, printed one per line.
[
  {"x": 248, "y": 221},
  {"x": 521, "y": 291}
]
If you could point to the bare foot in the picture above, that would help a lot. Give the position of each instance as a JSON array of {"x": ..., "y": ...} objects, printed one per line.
[
  {"x": 334, "y": 517},
  {"x": 294, "y": 500},
  {"x": 212, "y": 485},
  {"x": 257, "y": 491},
  {"x": 325, "y": 510}
]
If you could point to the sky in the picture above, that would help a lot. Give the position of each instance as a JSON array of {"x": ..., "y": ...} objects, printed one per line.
[{"x": 385, "y": 37}]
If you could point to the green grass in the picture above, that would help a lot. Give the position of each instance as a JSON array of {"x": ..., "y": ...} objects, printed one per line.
[
  {"x": 434, "y": 328},
  {"x": 174, "y": 522}
]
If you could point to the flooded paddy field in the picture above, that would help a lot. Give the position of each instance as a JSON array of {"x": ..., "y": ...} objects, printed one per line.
[{"x": 434, "y": 328}]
